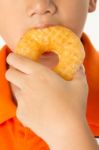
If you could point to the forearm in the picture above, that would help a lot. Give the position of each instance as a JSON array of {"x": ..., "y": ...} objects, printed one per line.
[{"x": 76, "y": 136}]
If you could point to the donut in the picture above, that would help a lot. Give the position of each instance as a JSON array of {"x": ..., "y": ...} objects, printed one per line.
[{"x": 58, "y": 39}]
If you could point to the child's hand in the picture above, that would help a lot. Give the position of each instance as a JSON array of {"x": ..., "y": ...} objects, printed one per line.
[{"x": 45, "y": 100}]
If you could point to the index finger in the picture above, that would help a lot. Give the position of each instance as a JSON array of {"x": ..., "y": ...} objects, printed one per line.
[{"x": 23, "y": 64}]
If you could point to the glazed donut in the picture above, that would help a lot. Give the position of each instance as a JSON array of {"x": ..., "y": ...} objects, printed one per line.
[{"x": 58, "y": 39}]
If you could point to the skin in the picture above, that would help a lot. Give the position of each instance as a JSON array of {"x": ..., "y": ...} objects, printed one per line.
[
  {"x": 31, "y": 13},
  {"x": 47, "y": 103}
]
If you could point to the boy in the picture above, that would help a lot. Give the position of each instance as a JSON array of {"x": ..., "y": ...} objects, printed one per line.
[{"x": 50, "y": 111}]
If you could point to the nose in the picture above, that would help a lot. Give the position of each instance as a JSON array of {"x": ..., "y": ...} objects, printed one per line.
[{"x": 40, "y": 7}]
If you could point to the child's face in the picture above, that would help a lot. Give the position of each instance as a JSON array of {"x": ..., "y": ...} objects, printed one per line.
[{"x": 16, "y": 16}]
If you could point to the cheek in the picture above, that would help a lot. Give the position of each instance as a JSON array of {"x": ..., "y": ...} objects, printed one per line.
[
  {"x": 78, "y": 20},
  {"x": 11, "y": 26},
  {"x": 74, "y": 16}
]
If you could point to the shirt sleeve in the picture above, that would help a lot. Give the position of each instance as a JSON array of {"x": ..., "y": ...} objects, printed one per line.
[{"x": 34, "y": 142}]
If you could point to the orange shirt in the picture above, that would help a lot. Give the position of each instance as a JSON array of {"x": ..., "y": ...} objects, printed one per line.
[{"x": 13, "y": 135}]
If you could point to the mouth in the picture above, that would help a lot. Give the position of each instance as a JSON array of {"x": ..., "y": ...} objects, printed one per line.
[{"x": 40, "y": 26}]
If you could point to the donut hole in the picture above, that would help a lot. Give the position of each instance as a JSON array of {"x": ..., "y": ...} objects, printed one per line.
[{"x": 49, "y": 59}]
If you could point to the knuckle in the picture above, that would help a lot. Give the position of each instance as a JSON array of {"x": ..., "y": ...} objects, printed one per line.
[
  {"x": 7, "y": 73},
  {"x": 9, "y": 57}
]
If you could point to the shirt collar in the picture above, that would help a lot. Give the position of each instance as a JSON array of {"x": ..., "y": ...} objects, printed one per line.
[{"x": 7, "y": 106}]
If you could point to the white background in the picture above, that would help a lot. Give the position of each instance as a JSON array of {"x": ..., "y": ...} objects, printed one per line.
[{"x": 91, "y": 28}]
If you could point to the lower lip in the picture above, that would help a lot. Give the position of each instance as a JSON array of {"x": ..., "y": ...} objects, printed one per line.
[{"x": 44, "y": 26}]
